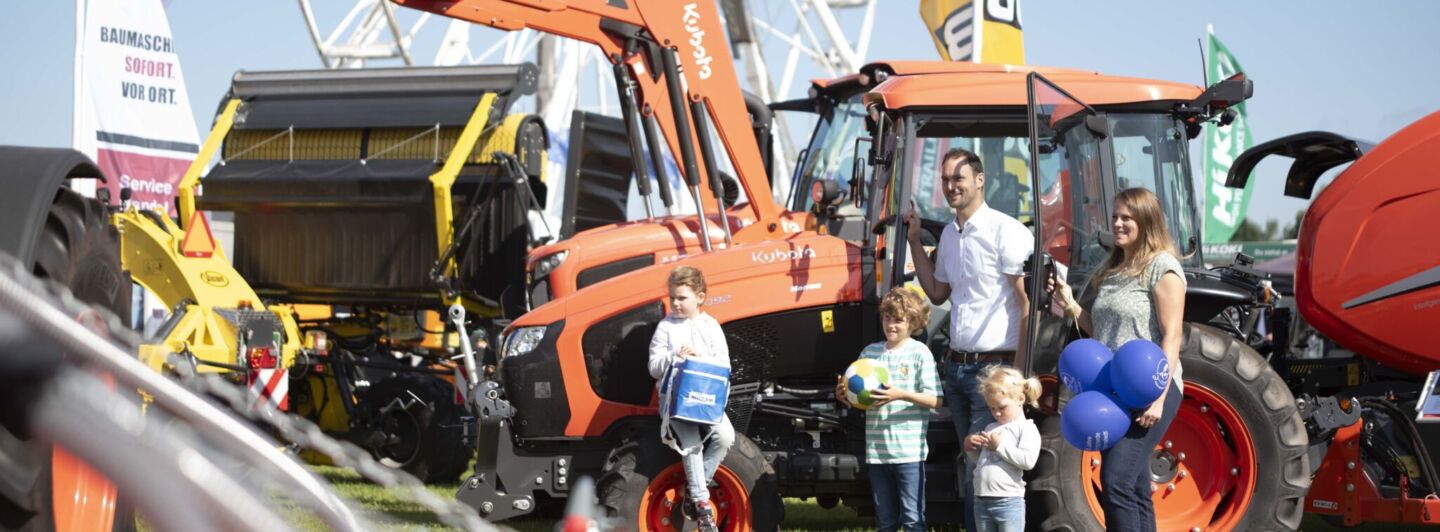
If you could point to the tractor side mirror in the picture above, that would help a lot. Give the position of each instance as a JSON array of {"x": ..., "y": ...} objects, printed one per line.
[
  {"x": 1225, "y": 93},
  {"x": 1097, "y": 125}
]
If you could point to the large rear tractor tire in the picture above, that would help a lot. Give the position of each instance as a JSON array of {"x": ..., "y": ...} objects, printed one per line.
[
  {"x": 420, "y": 427},
  {"x": 643, "y": 484},
  {"x": 78, "y": 248},
  {"x": 1233, "y": 459}
]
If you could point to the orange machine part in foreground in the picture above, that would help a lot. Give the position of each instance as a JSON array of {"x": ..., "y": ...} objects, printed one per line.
[{"x": 1367, "y": 272}]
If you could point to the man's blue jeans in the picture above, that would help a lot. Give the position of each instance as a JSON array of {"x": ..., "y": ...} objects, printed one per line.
[
  {"x": 1125, "y": 472},
  {"x": 971, "y": 414},
  {"x": 1000, "y": 514},
  {"x": 899, "y": 496}
]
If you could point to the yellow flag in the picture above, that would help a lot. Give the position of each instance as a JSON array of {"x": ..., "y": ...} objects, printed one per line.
[{"x": 982, "y": 31}]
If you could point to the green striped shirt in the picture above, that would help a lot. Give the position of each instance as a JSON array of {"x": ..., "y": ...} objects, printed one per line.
[{"x": 895, "y": 433}]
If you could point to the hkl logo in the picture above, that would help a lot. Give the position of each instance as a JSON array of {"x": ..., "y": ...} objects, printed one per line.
[
  {"x": 691, "y": 18},
  {"x": 1162, "y": 374}
]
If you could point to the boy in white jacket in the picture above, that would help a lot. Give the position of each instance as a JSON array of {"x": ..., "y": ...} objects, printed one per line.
[
  {"x": 1004, "y": 451},
  {"x": 688, "y": 332}
]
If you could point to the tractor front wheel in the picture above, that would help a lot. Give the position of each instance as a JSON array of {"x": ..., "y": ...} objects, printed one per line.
[
  {"x": 643, "y": 486},
  {"x": 1233, "y": 459}
]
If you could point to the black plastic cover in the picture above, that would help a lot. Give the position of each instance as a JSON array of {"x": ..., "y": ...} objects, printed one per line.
[
  {"x": 535, "y": 386},
  {"x": 379, "y": 97},
  {"x": 597, "y": 173},
  {"x": 617, "y": 352},
  {"x": 345, "y": 232},
  {"x": 595, "y": 274}
]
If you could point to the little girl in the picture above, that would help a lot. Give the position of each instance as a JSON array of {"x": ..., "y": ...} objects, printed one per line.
[
  {"x": 1004, "y": 451},
  {"x": 689, "y": 332}
]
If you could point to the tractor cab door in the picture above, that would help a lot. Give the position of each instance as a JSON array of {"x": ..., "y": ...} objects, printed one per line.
[{"x": 1066, "y": 144}]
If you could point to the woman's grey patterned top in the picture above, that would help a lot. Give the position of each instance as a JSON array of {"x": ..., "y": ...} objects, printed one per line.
[{"x": 1124, "y": 309}]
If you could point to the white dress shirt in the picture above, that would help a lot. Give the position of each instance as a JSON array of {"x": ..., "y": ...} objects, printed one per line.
[{"x": 975, "y": 260}]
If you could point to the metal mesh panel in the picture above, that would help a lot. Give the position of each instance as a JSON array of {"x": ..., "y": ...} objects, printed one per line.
[{"x": 752, "y": 349}]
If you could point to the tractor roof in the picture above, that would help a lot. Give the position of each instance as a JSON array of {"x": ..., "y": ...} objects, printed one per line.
[
  {"x": 913, "y": 68},
  {"x": 970, "y": 84}
]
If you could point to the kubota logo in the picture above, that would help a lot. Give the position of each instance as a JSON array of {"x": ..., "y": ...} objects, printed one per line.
[
  {"x": 777, "y": 255},
  {"x": 215, "y": 279},
  {"x": 691, "y": 18}
]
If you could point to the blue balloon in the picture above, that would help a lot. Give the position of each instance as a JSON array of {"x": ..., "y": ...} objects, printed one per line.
[
  {"x": 1093, "y": 422},
  {"x": 1085, "y": 366},
  {"x": 1139, "y": 373}
]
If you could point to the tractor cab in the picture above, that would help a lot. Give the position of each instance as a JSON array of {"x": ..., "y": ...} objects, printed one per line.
[{"x": 1050, "y": 160}]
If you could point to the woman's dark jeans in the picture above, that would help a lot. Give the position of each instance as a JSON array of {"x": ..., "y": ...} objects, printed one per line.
[{"x": 1125, "y": 472}]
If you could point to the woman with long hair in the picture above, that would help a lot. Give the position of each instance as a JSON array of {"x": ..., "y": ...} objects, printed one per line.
[{"x": 1140, "y": 294}]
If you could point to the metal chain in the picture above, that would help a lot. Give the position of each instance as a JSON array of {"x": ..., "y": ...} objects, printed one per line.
[
  {"x": 300, "y": 431},
  {"x": 303, "y": 432}
]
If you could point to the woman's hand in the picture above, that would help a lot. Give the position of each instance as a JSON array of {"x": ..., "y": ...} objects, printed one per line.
[
  {"x": 1151, "y": 415},
  {"x": 1060, "y": 293},
  {"x": 686, "y": 352}
]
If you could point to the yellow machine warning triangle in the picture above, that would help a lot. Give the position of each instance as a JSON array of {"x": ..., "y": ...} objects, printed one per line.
[{"x": 198, "y": 241}]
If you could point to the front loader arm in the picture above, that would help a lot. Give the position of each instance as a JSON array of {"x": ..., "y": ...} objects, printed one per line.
[{"x": 692, "y": 28}]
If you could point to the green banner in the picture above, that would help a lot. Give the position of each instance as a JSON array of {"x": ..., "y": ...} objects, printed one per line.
[
  {"x": 1224, "y": 206},
  {"x": 1222, "y": 254}
]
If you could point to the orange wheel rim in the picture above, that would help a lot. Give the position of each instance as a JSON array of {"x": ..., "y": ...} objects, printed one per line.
[
  {"x": 1205, "y": 479},
  {"x": 81, "y": 498},
  {"x": 660, "y": 504}
]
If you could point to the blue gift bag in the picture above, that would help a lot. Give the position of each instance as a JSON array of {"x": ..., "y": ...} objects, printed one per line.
[{"x": 695, "y": 391}]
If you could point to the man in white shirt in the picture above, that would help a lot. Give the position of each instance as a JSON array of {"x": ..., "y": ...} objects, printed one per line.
[{"x": 979, "y": 268}]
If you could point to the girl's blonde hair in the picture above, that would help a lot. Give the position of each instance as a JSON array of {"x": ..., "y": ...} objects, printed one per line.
[
  {"x": 687, "y": 276},
  {"x": 904, "y": 304},
  {"x": 1154, "y": 237},
  {"x": 1005, "y": 381}
]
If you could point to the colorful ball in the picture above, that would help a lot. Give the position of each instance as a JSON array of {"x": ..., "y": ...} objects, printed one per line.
[
  {"x": 1085, "y": 366},
  {"x": 1139, "y": 373},
  {"x": 864, "y": 376},
  {"x": 1093, "y": 422}
]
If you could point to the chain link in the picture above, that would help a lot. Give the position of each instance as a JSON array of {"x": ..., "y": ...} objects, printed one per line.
[{"x": 27, "y": 292}]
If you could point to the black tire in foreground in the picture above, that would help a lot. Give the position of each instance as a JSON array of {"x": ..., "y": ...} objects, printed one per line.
[
  {"x": 1260, "y": 401},
  {"x": 632, "y": 467},
  {"x": 79, "y": 249},
  {"x": 420, "y": 425}
]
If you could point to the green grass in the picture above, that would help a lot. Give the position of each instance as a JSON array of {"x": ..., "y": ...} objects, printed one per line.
[{"x": 389, "y": 511}]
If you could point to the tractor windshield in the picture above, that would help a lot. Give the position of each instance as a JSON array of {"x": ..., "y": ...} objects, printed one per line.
[
  {"x": 1149, "y": 153},
  {"x": 831, "y": 154}
]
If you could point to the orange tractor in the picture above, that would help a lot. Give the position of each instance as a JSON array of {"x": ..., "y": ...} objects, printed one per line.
[
  {"x": 797, "y": 293},
  {"x": 570, "y": 398}
]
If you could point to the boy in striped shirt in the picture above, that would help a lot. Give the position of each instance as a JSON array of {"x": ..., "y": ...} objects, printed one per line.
[{"x": 895, "y": 425}]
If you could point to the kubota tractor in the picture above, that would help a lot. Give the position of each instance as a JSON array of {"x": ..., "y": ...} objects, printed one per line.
[{"x": 571, "y": 395}]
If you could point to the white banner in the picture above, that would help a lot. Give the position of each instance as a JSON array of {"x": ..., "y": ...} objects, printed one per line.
[{"x": 132, "y": 115}]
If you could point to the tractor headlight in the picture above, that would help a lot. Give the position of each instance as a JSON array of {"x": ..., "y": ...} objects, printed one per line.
[
  {"x": 522, "y": 341},
  {"x": 544, "y": 266}
]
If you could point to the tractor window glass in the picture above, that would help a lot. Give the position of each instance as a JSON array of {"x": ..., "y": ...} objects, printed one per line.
[
  {"x": 832, "y": 154},
  {"x": 1004, "y": 151},
  {"x": 1148, "y": 153}
]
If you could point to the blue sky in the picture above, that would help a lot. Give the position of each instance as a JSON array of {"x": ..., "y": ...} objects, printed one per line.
[{"x": 1364, "y": 69}]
